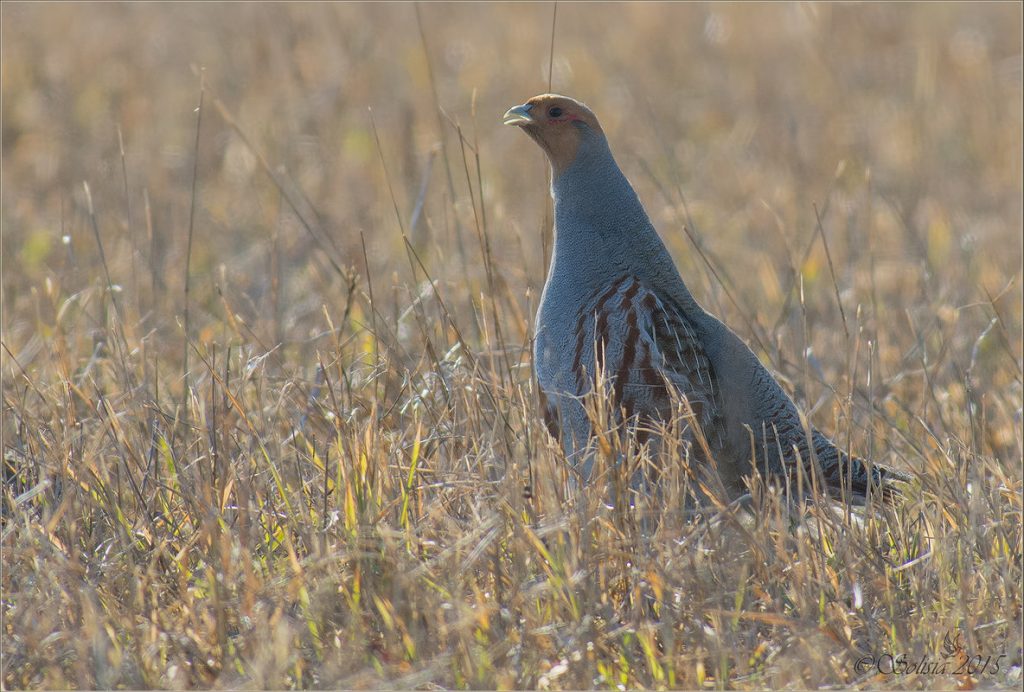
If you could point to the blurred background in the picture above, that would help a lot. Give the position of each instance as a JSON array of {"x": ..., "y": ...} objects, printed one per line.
[
  {"x": 749, "y": 111},
  {"x": 902, "y": 123}
]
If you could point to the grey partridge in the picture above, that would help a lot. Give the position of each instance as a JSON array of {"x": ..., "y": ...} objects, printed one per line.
[{"x": 616, "y": 312}]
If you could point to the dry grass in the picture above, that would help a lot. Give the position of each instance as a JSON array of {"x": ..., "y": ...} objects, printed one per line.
[{"x": 327, "y": 485}]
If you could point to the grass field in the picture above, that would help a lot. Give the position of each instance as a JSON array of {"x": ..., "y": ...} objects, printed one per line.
[{"x": 268, "y": 280}]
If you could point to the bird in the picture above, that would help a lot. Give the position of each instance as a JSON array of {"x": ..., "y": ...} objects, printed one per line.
[{"x": 616, "y": 314}]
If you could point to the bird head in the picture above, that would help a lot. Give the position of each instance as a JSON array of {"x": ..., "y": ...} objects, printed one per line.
[{"x": 559, "y": 124}]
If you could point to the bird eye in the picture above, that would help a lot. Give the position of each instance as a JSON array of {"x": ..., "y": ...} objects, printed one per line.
[{"x": 555, "y": 112}]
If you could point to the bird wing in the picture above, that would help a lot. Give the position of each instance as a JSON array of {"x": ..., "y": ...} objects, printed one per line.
[
  {"x": 650, "y": 352},
  {"x": 678, "y": 354}
]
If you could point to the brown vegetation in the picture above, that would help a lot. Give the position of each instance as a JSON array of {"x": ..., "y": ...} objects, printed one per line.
[{"x": 268, "y": 417}]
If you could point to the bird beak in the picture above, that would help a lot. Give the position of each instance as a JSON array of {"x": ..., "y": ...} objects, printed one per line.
[{"x": 518, "y": 115}]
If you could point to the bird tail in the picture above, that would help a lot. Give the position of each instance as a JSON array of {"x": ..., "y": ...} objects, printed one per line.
[{"x": 855, "y": 477}]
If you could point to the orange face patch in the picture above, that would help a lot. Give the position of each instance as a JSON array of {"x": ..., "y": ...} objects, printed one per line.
[{"x": 543, "y": 116}]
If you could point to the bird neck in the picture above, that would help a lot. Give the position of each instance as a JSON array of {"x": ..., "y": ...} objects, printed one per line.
[
  {"x": 592, "y": 192},
  {"x": 600, "y": 221}
]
